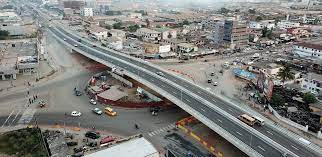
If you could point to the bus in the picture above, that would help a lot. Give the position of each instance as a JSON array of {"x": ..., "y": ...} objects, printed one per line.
[
  {"x": 247, "y": 119},
  {"x": 259, "y": 121}
]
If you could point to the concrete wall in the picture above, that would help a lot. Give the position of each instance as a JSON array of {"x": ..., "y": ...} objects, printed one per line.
[{"x": 128, "y": 83}]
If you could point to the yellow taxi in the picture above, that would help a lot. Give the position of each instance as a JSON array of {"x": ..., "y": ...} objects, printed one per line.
[{"x": 109, "y": 111}]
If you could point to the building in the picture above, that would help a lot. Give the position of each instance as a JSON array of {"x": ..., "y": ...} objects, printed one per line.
[
  {"x": 167, "y": 33},
  {"x": 191, "y": 28},
  {"x": 73, "y": 4},
  {"x": 235, "y": 33},
  {"x": 103, "y": 5},
  {"x": 312, "y": 82},
  {"x": 218, "y": 32},
  {"x": 270, "y": 24},
  {"x": 114, "y": 43},
  {"x": 148, "y": 34},
  {"x": 187, "y": 48},
  {"x": 98, "y": 33},
  {"x": 138, "y": 147},
  {"x": 135, "y": 15},
  {"x": 268, "y": 68},
  {"x": 9, "y": 17},
  {"x": 87, "y": 12},
  {"x": 156, "y": 48},
  {"x": 117, "y": 33},
  {"x": 287, "y": 24},
  {"x": 308, "y": 50},
  {"x": 173, "y": 43}
]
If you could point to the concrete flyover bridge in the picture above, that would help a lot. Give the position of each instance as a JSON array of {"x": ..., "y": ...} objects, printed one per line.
[{"x": 206, "y": 107}]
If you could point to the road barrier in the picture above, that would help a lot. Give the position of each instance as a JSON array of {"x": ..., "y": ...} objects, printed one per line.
[{"x": 180, "y": 124}]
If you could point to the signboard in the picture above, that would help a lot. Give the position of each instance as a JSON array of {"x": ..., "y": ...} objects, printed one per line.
[
  {"x": 265, "y": 85},
  {"x": 164, "y": 48}
]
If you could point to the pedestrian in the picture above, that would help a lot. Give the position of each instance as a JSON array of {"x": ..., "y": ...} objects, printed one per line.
[
  {"x": 32, "y": 101},
  {"x": 28, "y": 92},
  {"x": 36, "y": 96},
  {"x": 29, "y": 101}
]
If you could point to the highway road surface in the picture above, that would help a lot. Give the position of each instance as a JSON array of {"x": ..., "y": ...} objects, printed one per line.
[{"x": 258, "y": 144}]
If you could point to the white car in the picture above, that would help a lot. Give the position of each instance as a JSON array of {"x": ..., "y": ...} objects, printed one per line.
[
  {"x": 93, "y": 102},
  {"x": 215, "y": 84},
  {"x": 76, "y": 114}
]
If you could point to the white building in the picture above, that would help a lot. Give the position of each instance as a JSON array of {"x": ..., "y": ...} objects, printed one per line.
[
  {"x": 287, "y": 24},
  {"x": 167, "y": 33},
  {"x": 114, "y": 43},
  {"x": 313, "y": 83},
  {"x": 262, "y": 24},
  {"x": 187, "y": 48},
  {"x": 135, "y": 15},
  {"x": 97, "y": 32},
  {"x": 9, "y": 17},
  {"x": 117, "y": 33},
  {"x": 87, "y": 12},
  {"x": 308, "y": 50},
  {"x": 148, "y": 34}
]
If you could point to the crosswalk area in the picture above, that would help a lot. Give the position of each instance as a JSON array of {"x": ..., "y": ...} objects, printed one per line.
[
  {"x": 18, "y": 117},
  {"x": 161, "y": 130}
]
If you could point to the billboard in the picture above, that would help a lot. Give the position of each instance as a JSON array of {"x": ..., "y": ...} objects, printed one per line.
[{"x": 265, "y": 85}]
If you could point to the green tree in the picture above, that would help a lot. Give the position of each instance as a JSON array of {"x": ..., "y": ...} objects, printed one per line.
[
  {"x": 277, "y": 100},
  {"x": 251, "y": 38},
  {"x": 4, "y": 35},
  {"x": 259, "y": 18},
  {"x": 252, "y": 11},
  {"x": 185, "y": 22},
  {"x": 285, "y": 74},
  {"x": 117, "y": 25},
  {"x": 267, "y": 32},
  {"x": 316, "y": 21},
  {"x": 224, "y": 10},
  {"x": 309, "y": 98},
  {"x": 133, "y": 28},
  {"x": 108, "y": 27}
]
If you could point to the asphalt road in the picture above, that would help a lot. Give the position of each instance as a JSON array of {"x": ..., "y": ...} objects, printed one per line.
[{"x": 239, "y": 132}]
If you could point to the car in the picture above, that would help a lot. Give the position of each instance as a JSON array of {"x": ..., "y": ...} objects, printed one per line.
[
  {"x": 212, "y": 74},
  {"x": 215, "y": 84},
  {"x": 71, "y": 143},
  {"x": 75, "y": 45},
  {"x": 79, "y": 40},
  {"x": 94, "y": 45},
  {"x": 109, "y": 111},
  {"x": 93, "y": 102},
  {"x": 209, "y": 80},
  {"x": 42, "y": 104},
  {"x": 160, "y": 73},
  {"x": 97, "y": 111},
  {"x": 76, "y": 114},
  {"x": 65, "y": 39},
  {"x": 107, "y": 139},
  {"x": 92, "y": 134}
]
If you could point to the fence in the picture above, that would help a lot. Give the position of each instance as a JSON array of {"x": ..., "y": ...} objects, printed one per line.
[{"x": 287, "y": 121}]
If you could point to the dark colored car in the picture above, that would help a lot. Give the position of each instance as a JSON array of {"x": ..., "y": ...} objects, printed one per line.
[
  {"x": 78, "y": 93},
  {"x": 72, "y": 143},
  {"x": 92, "y": 135}
]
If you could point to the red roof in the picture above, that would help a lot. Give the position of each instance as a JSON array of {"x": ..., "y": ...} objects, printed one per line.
[{"x": 312, "y": 46}]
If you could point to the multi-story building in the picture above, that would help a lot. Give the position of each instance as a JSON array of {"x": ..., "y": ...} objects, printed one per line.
[
  {"x": 187, "y": 48},
  {"x": 9, "y": 17},
  {"x": 262, "y": 24},
  {"x": 87, "y": 12},
  {"x": 235, "y": 33},
  {"x": 218, "y": 32},
  {"x": 167, "y": 33},
  {"x": 308, "y": 50},
  {"x": 97, "y": 32},
  {"x": 312, "y": 82},
  {"x": 73, "y": 4},
  {"x": 149, "y": 34},
  {"x": 103, "y": 5},
  {"x": 287, "y": 24}
]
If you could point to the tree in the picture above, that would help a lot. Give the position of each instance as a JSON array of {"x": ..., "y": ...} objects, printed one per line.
[
  {"x": 133, "y": 28},
  {"x": 252, "y": 11},
  {"x": 277, "y": 100},
  {"x": 4, "y": 35},
  {"x": 285, "y": 73},
  {"x": 316, "y": 21},
  {"x": 251, "y": 38},
  {"x": 259, "y": 18},
  {"x": 185, "y": 22},
  {"x": 309, "y": 98},
  {"x": 108, "y": 27},
  {"x": 224, "y": 10},
  {"x": 117, "y": 25},
  {"x": 267, "y": 32}
]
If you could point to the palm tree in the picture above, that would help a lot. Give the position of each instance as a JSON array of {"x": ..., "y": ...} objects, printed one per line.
[{"x": 285, "y": 73}]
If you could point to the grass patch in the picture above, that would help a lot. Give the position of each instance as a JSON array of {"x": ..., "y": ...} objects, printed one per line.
[{"x": 24, "y": 142}]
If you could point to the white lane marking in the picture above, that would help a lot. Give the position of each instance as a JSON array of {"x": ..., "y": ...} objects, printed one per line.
[
  {"x": 199, "y": 92},
  {"x": 7, "y": 118},
  {"x": 203, "y": 110},
  {"x": 174, "y": 92},
  {"x": 188, "y": 100},
  {"x": 239, "y": 133},
  {"x": 269, "y": 132},
  {"x": 16, "y": 116},
  {"x": 219, "y": 120},
  {"x": 214, "y": 100},
  {"x": 150, "y": 134},
  {"x": 261, "y": 148},
  {"x": 294, "y": 147},
  {"x": 230, "y": 109}
]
